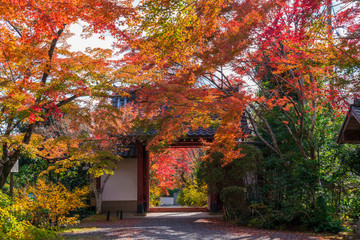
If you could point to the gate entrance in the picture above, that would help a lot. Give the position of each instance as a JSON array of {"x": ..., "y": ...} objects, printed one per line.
[
  {"x": 174, "y": 183},
  {"x": 143, "y": 178},
  {"x": 128, "y": 189}
]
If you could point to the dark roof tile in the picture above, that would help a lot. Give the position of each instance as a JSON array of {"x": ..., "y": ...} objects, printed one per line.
[
  {"x": 199, "y": 133},
  {"x": 130, "y": 152}
]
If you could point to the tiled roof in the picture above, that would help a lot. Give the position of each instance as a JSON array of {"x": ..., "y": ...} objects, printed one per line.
[
  {"x": 199, "y": 133},
  {"x": 356, "y": 110},
  {"x": 130, "y": 152},
  {"x": 350, "y": 129},
  {"x": 210, "y": 131}
]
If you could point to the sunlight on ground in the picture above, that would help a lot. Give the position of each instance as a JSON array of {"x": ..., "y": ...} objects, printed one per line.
[{"x": 81, "y": 230}]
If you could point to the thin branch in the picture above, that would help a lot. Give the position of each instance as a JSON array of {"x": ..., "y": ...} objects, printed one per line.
[
  {"x": 50, "y": 54},
  {"x": 253, "y": 123},
  {"x": 53, "y": 159},
  {"x": 63, "y": 102},
  {"x": 15, "y": 28}
]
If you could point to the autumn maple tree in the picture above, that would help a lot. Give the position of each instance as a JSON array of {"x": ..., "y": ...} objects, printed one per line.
[
  {"x": 173, "y": 168},
  {"x": 289, "y": 67},
  {"x": 209, "y": 62},
  {"x": 40, "y": 77},
  {"x": 110, "y": 137}
]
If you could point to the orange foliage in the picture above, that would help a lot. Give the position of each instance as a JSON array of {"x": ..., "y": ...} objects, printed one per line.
[
  {"x": 40, "y": 77},
  {"x": 169, "y": 169},
  {"x": 199, "y": 58},
  {"x": 47, "y": 204}
]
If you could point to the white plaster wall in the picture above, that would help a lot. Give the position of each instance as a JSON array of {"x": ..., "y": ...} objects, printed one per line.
[
  {"x": 250, "y": 178},
  {"x": 122, "y": 186}
]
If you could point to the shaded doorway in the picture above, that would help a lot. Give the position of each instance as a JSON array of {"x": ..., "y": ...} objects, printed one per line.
[{"x": 174, "y": 185}]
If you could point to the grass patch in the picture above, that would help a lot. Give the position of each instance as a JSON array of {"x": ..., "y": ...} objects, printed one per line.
[{"x": 66, "y": 233}]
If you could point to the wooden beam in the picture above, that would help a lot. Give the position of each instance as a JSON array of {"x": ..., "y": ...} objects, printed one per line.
[
  {"x": 140, "y": 178},
  {"x": 340, "y": 139},
  {"x": 350, "y": 124},
  {"x": 351, "y": 136}
]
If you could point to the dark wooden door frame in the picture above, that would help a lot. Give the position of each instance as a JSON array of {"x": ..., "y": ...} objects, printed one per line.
[
  {"x": 143, "y": 177},
  {"x": 143, "y": 187}
]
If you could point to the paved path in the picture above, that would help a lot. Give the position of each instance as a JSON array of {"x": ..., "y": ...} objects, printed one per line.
[{"x": 175, "y": 226}]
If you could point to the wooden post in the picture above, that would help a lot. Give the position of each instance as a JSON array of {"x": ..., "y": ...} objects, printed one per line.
[
  {"x": 11, "y": 184},
  {"x": 140, "y": 178},
  {"x": 146, "y": 181},
  {"x": 213, "y": 203}
]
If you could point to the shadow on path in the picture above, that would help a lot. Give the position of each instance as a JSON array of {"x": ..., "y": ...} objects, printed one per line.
[{"x": 171, "y": 227}]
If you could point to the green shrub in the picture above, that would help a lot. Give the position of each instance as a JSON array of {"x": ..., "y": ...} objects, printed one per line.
[
  {"x": 12, "y": 229},
  {"x": 34, "y": 233},
  {"x": 13, "y": 225},
  {"x": 299, "y": 217},
  {"x": 5, "y": 200},
  {"x": 321, "y": 220},
  {"x": 235, "y": 204},
  {"x": 193, "y": 196},
  {"x": 218, "y": 175}
]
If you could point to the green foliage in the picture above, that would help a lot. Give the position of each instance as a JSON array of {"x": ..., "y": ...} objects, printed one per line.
[
  {"x": 5, "y": 200},
  {"x": 34, "y": 233},
  {"x": 291, "y": 196},
  {"x": 338, "y": 170},
  {"x": 13, "y": 228},
  {"x": 298, "y": 192},
  {"x": 293, "y": 192},
  {"x": 217, "y": 176},
  {"x": 235, "y": 181},
  {"x": 10, "y": 227},
  {"x": 322, "y": 220},
  {"x": 299, "y": 217},
  {"x": 193, "y": 195},
  {"x": 235, "y": 204},
  {"x": 351, "y": 159},
  {"x": 30, "y": 169}
]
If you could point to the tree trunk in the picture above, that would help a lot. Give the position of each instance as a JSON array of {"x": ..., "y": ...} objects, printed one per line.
[
  {"x": 98, "y": 198},
  {"x": 5, "y": 171},
  {"x": 7, "y": 164},
  {"x": 98, "y": 192},
  {"x": 8, "y": 159}
]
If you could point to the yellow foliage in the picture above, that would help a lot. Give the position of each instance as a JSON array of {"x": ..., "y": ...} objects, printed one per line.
[
  {"x": 47, "y": 204},
  {"x": 194, "y": 195},
  {"x": 10, "y": 227},
  {"x": 13, "y": 229},
  {"x": 155, "y": 194}
]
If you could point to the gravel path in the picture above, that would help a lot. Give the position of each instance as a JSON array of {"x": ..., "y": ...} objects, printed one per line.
[{"x": 175, "y": 228}]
